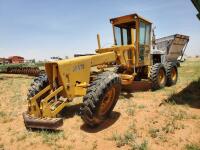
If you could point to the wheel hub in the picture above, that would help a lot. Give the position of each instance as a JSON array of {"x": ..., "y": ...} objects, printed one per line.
[
  {"x": 173, "y": 74},
  {"x": 161, "y": 76},
  {"x": 107, "y": 101}
]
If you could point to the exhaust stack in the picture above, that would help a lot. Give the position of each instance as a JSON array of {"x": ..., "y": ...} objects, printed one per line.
[{"x": 98, "y": 40}]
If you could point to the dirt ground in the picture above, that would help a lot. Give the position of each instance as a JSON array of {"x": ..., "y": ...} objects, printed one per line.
[{"x": 165, "y": 119}]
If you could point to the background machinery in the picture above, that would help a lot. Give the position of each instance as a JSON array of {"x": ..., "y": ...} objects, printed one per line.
[
  {"x": 170, "y": 48},
  {"x": 30, "y": 69},
  {"x": 98, "y": 78}
]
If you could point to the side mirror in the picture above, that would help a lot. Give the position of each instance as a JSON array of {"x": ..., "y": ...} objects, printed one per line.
[
  {"x": 153, "y": 30},
  {"x": 153, "y": 37}
]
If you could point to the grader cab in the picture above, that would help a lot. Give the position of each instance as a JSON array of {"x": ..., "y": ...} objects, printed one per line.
[{"x": 127, "y": 60}]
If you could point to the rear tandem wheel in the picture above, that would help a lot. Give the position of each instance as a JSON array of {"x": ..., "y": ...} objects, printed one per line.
[
  {"x": 158, "y": 76},
  {"x": 171, "y": 73}
]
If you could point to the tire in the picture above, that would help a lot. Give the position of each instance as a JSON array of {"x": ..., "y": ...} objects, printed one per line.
[
  {"x": 118, "y": 69},
  {"x": 97, "y": 103},
  {"x": 38, "y": 84},
  {"x": 158, "y": 76},
  {"x": 171, "y": 73},
  {"x": 178, "y": 64}
]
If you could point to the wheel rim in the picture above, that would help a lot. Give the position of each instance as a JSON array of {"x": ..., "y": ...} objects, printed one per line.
[
  {"x": 161, "y": 77},
  {"x": 107, "y": 101},
  {"x": 173, "y": 74}
]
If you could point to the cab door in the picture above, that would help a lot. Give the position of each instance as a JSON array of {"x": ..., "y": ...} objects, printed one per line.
[{"x": 144, "y": 43}]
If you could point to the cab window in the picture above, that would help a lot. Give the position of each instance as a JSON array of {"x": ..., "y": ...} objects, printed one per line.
[
  {"x": 122, "y": 33},
  {"x": 144, "y": 38},
  {"x": 144, "y": 33},
  {"x": 117, "y": 31}
]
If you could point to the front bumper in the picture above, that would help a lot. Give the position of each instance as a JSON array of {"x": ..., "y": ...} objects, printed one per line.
[{"x": 41, "y": 123}]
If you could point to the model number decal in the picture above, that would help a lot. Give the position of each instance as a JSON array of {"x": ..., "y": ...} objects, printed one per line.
[{"x": 78, "y": 68}]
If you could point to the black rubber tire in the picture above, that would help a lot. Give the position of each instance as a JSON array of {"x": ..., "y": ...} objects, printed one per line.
[
  {"x": 118, "y": 69},
  {"x": 37, "y": 85},
  {"x": 95, "y": 95},
  {"x": 169, "y": 67},
  {"x": 178, "y": 64},
  {"x": 154, "y": 76}
]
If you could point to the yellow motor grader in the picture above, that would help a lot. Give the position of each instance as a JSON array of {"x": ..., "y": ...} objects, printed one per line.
[{"x": 100, "y": 87}]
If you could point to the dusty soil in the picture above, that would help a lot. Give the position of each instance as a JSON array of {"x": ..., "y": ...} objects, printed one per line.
[{"x": 164, "y": 119}]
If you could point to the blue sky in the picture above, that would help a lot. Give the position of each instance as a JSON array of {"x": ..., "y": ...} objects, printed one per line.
[{"x": 44, "y": 28}]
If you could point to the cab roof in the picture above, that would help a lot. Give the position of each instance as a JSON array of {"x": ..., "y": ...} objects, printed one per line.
[{"x": 128, "y": 18}]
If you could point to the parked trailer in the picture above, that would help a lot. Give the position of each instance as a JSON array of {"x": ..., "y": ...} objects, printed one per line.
[{"x": 171, "y": 47}]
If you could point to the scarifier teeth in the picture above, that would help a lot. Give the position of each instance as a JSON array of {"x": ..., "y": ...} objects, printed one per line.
[{"x": 41, "y": 123}]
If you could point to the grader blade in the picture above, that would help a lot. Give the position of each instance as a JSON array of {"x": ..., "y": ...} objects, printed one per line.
[{"x": 42, "y": 123}]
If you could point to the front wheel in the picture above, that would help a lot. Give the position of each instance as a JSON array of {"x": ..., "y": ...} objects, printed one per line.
[{"x": 101, "y": 97}]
